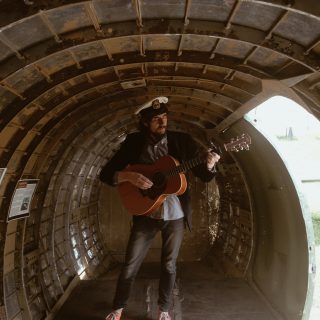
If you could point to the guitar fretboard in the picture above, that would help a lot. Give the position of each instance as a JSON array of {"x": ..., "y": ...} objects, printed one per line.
[
  {"x": 184, "y": 166},
  {"x": 237, "y": 144}
]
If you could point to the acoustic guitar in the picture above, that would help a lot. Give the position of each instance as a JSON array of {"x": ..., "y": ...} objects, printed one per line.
[{"x": 168, "y": 178}]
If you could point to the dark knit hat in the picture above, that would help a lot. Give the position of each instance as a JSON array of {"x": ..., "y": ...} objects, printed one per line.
[{"x": 153, "y": 108}]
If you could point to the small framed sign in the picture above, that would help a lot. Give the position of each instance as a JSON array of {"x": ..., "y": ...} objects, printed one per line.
[{"x": 22, "y": 197}]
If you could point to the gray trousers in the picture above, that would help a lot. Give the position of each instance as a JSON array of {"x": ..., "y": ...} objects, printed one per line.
[{"x": 143, "y": 232}]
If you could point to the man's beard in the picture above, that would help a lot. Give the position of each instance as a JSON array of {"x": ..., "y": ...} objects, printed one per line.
[{"x": 157, "y": 136}]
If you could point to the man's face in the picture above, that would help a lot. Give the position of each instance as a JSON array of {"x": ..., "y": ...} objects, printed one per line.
[{"x": 158, "y": 124}]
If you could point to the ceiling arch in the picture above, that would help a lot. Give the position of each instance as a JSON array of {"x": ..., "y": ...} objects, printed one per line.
[
  {"x": 212, "y": 55},
  {"x": 73, "y": 73}
]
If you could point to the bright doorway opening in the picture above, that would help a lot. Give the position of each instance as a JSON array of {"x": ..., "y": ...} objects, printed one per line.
[{"x": 295, "y": 133}]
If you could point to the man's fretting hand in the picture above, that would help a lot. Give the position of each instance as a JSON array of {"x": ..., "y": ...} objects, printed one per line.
[
  {"x": 212, "y": 159},
  {"x": 137, "y": 179}
]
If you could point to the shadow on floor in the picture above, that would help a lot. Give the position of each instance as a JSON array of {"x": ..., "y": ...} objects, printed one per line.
[{"x": 201, "y": 294}]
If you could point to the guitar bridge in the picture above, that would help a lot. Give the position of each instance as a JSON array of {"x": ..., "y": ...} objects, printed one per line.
[{"x": 159, "y": 184}]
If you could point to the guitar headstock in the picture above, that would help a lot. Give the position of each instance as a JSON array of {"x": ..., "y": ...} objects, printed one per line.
[{"x": 238, "y": 143}]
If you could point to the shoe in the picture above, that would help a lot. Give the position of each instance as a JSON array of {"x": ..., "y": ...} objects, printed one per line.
[
  {"x": 164, "y": 316},
  {"x": 114, "y": 315}
]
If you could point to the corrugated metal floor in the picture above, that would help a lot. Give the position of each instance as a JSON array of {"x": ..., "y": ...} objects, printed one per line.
[{"x": 202, "y": 294}]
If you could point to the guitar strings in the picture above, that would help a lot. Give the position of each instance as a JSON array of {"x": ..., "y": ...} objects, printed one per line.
[{"x": 184, "y": 166}]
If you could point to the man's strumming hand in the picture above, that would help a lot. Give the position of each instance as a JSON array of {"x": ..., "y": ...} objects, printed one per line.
[{"x": 137, "y": 179}]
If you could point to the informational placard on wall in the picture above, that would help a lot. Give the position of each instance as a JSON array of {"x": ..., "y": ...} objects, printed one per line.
[
  {"x": 2, "y": 173},
  {"x": 22, "y": 197}
]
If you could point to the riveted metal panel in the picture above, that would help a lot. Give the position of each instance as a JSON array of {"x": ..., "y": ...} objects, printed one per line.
[
  {"x": 9, "y": 262},
  {"x": 127, "y": 73},
  {"x": 68, "y": 18},
  {"x": 12, "y": 306},
  {"x": 59, "y": 234},
  {"x": 233, "y": 48},
  {"x": 216, "y": 10},
  {"x": 28, "y": 112},
  {"x": 198, "y": 43},
  {"x": 123, "y": 44},
  {"x": 62, "y": 59},
  {"x": 38, "y": 308},
  {"x": 9, "y": 283},
  {"x": 257, "y": 15},
  {"x": 114, "y": 11},
  {"x": 226, "y": 102},
  {"x": 7, "y": 132},
  {"x": 30, "y": 234},
  {"x": 246, "y": 82},
  {"x": 235, "y": 91},
  {"x": 89, "y": 51},
  {"x": 6, "y": 98},
  {"x": 19, "y": 33},
  {"x": 50, "y": 95},
  {"x": 23, "y": 79},
  {"x": 299, "y": 28},
  {"x": 151, "y": 9},
  {"x": 161, "y": 42},
  {"x": 266, "y": 58},
  {"x": 59, "y": 219}
]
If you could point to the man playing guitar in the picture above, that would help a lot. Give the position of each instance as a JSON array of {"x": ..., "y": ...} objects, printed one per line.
[{"x": 152, "y": 142}]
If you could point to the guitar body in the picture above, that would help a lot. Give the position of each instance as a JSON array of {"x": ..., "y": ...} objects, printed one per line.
[{"x": 144, "y": 202}]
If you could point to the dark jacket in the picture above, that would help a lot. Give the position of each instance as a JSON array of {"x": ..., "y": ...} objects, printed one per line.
[{"x": 180, "y": 146}]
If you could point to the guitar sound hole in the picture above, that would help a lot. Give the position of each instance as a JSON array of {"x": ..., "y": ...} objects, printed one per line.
[
  {"x": 159, "y": 180},
  {"x": 159, "y": 185}
]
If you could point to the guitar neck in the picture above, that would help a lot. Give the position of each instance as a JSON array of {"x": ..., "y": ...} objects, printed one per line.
[
  {"x": 184, "y": 166},
  {"x": 240, "y": 143}
]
